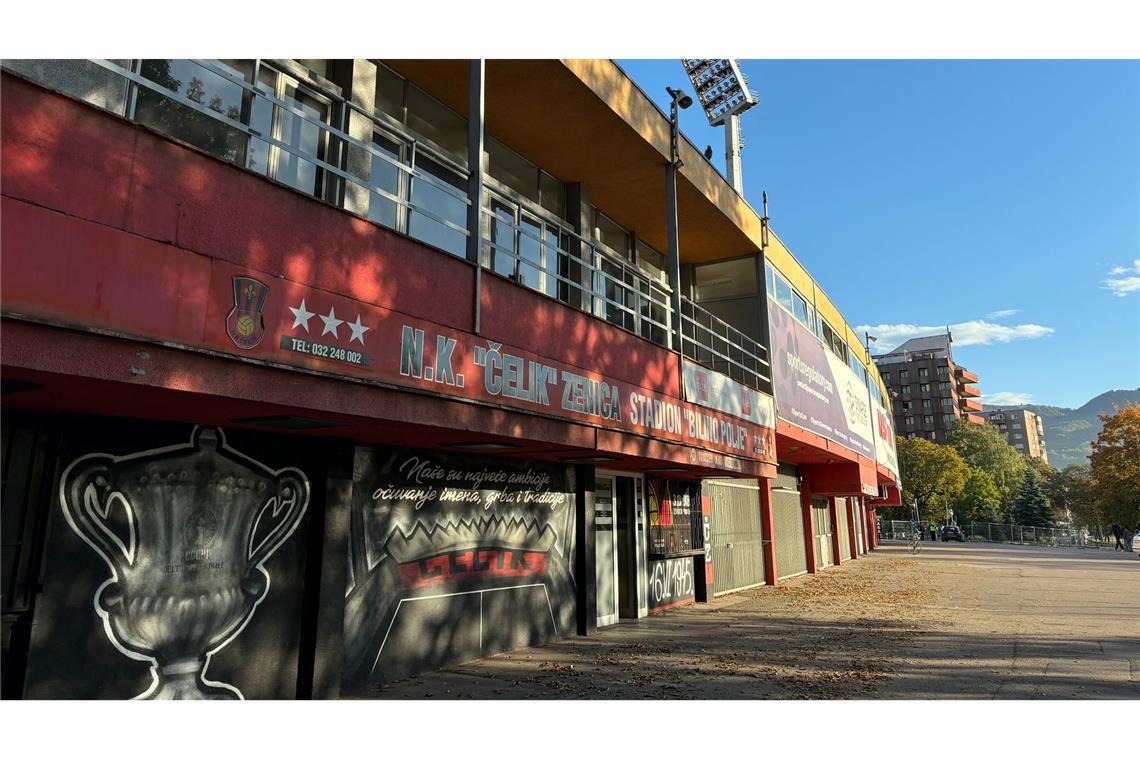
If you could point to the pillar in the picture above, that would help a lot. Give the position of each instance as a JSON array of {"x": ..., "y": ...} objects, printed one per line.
[
  {"x": 833, "y": 509},
  {"x": 852, "y": 534},
  {"x": 585, "y": 561},
  {"x": 809, "y": 523},
  {"x": 768, "y": 532}
]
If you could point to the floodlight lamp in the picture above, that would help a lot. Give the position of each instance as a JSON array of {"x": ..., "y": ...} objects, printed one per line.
[{"x": 685, "y": 101}]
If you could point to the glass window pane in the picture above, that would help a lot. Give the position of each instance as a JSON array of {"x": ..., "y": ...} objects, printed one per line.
[
  {"x": 304, "y": 138},
  {"x": 799, "y": 308},
  {"x": 437, "y": 122},
  {"x": 192, "y": 82},
  {"x": 650, "y": 261},
  {"x": 512, "y": 170},
  {"x": 503, "y": 250},
  {"x": 553, "y": 194},
  {"x": 611, "y": 234},
  {"x": 442, "y": 204},
  {"x": 261, "y": 121},
  {"x": 389, "y": 92},
  {"x": 531, "y": 253},
  {"x": 385, "y": 176},
  {"x": 784, "y": 293},
  {"x": 728, "y": 279}
]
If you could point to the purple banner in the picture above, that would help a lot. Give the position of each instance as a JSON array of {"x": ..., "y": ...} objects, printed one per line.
[{"x": 815, "y": 389}]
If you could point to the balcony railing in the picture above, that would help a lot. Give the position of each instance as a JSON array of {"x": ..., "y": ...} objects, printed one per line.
[{"x": 418, "y": 191}]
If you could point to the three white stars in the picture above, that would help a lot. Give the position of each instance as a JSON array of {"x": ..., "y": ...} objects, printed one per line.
[{"x": 302, "y": 315}]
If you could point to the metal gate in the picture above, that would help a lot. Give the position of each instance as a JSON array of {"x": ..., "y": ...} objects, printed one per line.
[
  {"x": 858, "y": 509},
  {"x": 735, "y": 534},
  {"x": 844, "y": 529},
  {"x": 788, "y": 516},
  {"x": 821, "y": 515}
]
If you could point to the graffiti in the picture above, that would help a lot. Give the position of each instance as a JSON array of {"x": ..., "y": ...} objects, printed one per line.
[
  {"x": 185, "y": 531},
  {"x": 479, "y": 552},
  {"x": 670, "y": 582}
]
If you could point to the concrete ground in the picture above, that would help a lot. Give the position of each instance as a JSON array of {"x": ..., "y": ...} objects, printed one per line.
[{"x": 975, "y": 621}]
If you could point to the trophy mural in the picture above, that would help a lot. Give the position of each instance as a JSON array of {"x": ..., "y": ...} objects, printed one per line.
[{"x": 185, "y": 531}]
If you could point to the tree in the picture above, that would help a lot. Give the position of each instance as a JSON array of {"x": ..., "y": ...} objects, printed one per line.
[
  {"x": 980, "y": 500},
  {"x": 1115, "y": 464},
  {"x": 983, "y": 447},
  {"x": 1032, "y": 506},
  {"x": 932, "y": 475},
  {"x": 1070, "y": 492}
]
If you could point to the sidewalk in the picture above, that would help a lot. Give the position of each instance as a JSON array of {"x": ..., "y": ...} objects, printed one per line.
[{"x": 957, "y": 621}]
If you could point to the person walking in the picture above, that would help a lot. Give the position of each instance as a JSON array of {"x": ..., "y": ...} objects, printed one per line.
[{"x": 1117, "y": 533}]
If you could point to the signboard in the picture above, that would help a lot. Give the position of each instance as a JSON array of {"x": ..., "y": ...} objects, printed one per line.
[
  {"x": 817, "y": 390},
  {"x": 713, "y": 390},
  {"x": 886, "y": 453}
]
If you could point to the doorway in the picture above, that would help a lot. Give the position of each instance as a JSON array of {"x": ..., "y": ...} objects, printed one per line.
[{"x": 619, "y": 536}]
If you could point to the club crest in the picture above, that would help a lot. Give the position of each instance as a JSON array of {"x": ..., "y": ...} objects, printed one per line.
[{"x": 244, "y": 324}]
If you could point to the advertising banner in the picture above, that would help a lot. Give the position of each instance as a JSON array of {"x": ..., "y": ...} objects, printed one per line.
[
  {"x": 815, "y": 389},
  {"x": 885, "y": 451},
  {"x": 714, "y": 390}
]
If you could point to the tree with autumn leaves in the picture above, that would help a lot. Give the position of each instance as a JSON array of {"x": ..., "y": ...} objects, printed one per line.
[{"x": 1115, "y": 467}]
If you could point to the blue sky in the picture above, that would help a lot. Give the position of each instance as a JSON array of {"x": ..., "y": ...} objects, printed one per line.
[{"x": 999, "y": 196}]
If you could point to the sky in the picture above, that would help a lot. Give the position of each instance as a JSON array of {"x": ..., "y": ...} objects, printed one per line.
[{"x": 1001, "y": 198}]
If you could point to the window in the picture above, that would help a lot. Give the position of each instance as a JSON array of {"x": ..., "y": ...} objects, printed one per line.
[
  {"x": 428, "y": 117},
  {"x": 928, "y": 420},
  {"x": 611, "y": 235},
  {"x": 923, "y": 372},
  {"x": 948, "y": 419},
  {"x": 909, "y": 421},
  {"x": 799, "y": 308},
  {"x": 906, "y": 406},
  {"x": 651, "y": 261},
  {"x": 906, "y": 390},
  {"x": 944, "y": 387},
  {"x": 924, "y": 388},
  {"x": 927, "y": 403},
  {"x": 445, "y": 204},
  {"x": 388, "y": 178},
  {"x": 886, "y": 378},
  {"x": 783, "y": 293},
  {"x": 904, "y": 374},
  {"x": 934, "y": 435},
  {"x": 943, "y": 373},
  {"x": 730, "y": 279},
  {"x": 947, "y": 403}
]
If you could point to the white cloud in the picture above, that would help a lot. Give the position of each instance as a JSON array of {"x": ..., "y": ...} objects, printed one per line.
[
  {"x": 1006, "y": 398},
  {"x": 1000, "y": 313},
  {"x": 1124, "y": 280},
  {"x": 976, "y": 332}
]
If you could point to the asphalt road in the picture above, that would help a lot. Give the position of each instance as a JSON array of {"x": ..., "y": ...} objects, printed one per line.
[{"x": 976, "y": 621}]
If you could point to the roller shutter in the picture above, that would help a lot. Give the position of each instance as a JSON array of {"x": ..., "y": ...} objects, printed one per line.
[
  {"x": 735, "y": 536},
  {"x": 821, "y": 515},
  {"x": 844, "y": 529},
  {"x": 788, "y": 516}
]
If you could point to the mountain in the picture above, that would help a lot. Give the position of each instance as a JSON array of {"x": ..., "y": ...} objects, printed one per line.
[{"x": 1069, "y": 433}]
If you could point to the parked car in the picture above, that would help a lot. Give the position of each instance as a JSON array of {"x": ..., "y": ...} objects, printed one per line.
[{"x": 953, "y": 533}]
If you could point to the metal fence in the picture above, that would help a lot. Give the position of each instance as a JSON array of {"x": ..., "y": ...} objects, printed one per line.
[
  {"x": 1004, "y": 533},
  {"x": 267, "y": 117}
]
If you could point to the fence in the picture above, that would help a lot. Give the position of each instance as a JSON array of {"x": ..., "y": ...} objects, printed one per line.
[{"x": 1004, "y": 533}]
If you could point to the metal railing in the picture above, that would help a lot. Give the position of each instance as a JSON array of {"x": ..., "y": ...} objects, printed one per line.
[
  {"x": 1005, "y": 533},
  {"x": 544, "y": 256}
]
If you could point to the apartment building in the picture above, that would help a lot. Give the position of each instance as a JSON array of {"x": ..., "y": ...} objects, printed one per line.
[
  {"x": 1024, "y": 430},
  {"x": 931, "y": 392}
]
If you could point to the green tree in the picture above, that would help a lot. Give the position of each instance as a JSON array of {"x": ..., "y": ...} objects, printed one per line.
[
  {"x": 1115, "y": 464},
  {"x": 979, "y": 500},
  {"x": 983, "y": 448},
  {"x": 1070, "y": 492},
  {"x": 932, "y": 475},
  {"x": 1032, "y": 506}
]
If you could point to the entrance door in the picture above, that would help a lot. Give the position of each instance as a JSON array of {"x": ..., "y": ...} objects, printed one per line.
[
  {"x": 823, "y": 530},
  {"x": 619, "y": 534},
  {"x": 605, "y": 550}
]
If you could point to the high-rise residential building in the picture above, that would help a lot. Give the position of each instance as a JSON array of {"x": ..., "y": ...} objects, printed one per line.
[
  {"x": 1022, "y": 429},
  {"x": 931, "y": 392}
]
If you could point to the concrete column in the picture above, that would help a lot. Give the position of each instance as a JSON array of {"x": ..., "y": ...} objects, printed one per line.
[
  {"x": 585, "y": 561},
  {"x": 852, "y": 534},
  {"x": 578, "y": 213},
  {"x": 809, "y": 524},
  {"x": 358, "y": 164},
  {"x": 323, "y": 624},
  {"x": 833, "y": 508},
  {"x": 768, "y": 532}
]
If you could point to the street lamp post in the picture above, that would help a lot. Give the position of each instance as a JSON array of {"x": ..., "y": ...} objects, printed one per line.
[{"x": 679, "y": 100}]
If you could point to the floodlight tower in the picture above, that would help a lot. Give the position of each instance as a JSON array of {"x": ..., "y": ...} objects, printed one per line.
[{"x": 724, "y": 95}]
